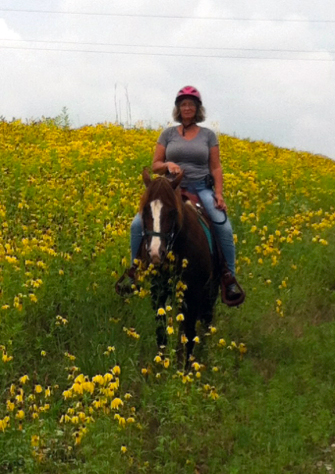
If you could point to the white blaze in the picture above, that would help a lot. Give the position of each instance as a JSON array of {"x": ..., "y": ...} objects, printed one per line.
[{"x": 156, "y": 207}]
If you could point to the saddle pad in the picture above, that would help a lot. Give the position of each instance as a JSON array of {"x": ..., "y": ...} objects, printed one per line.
[{"x": 208, "y": 233}]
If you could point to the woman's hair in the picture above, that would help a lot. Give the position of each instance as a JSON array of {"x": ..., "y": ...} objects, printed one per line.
[{"x": 200, "y": 115}]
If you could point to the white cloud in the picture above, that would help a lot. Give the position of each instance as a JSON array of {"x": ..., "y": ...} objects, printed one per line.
[{"x": 6, "y": 32}]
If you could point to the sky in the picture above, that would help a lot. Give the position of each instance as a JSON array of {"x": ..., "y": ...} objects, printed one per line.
[{"x": 265, "y": 69}]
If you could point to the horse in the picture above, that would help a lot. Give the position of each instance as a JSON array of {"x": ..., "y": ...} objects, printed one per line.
[{"x": 172, "y": 225}]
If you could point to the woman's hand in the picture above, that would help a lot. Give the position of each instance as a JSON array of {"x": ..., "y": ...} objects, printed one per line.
[
  {"x": 173, "y": 168},
  {"x": 220, "y": 203}
]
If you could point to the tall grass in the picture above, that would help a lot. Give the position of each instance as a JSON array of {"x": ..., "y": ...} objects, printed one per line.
[{"x": 83, "y": 388}]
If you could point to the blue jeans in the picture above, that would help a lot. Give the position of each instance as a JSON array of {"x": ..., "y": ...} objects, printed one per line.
[{"x": 222, "y": 227}]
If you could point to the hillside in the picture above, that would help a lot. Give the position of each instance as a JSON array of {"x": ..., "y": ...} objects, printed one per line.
[{"x": 82, "y": 389}]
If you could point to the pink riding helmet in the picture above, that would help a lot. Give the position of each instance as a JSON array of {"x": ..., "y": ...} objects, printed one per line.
[{"x": 188, "y": 91}]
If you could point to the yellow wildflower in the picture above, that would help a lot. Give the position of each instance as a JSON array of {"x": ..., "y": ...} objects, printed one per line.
[
  {"x": 242, "y": 348},
  {"x": 35, "y": 439},
  {"x": 222, "y": 343},
  {"x": 6, "y": 358},
  {"x": 20, "y": 415},
  {"x": 99, "y": 379},
  {"x": 171, "y": 257},
  {"x": 33, "y": 297},
  {"x": 67, "y": 394},
  {"x": 180, "y": 317},
  {"x": 184, "y": 263},
  {"x": 116, "y": 370},
  {"x": 183, "y": 339},
  {"x": 23, "y": 379},
  {"x": 196, "y": 366},
  {"x": 214, "y": 395},
  {"x": 122, "y": 421},
  {"x": 108, "y": 377},
  {"x": 38, "y": 389},
  {"x": 116, "y": 403}
]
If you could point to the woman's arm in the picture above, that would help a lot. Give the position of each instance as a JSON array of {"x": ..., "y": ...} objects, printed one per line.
[
  {"x": 216, "y": 172},
  {"x": 160, "y": 166}
]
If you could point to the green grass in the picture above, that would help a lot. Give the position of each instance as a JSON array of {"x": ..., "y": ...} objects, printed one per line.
[{"x": 268, "y": 411}]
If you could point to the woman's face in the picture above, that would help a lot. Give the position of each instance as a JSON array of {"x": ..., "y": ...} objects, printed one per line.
[{"x": 188, "y": 109}]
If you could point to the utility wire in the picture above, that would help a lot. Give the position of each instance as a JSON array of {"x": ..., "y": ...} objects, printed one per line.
[
  {"x": 170, "y": 17},
  {"x": 163, "y": 54},
  {"x": 216, "y": 48}
]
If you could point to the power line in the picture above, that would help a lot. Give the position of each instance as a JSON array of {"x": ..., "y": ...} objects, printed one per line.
[
  {"x": 216, "y": 48},
  {"x": 163, "y": 54},
  {"x": 169, "y": 17}
]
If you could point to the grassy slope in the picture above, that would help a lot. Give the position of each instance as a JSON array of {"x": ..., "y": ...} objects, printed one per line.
[{"x": 274, "y": 410}]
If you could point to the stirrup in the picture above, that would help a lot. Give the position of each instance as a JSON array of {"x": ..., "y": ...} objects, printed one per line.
[{"x": 228, "y": 280}]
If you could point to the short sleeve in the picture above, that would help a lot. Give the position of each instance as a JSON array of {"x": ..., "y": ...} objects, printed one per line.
[
  {"x": 212, "y": 140},
  {"x": 164, "y": 137}
]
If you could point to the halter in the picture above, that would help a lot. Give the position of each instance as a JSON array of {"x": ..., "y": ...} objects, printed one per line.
[{"x": 169, "y": 237}]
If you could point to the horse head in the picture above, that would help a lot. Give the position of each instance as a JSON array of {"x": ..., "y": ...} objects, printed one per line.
[{"x": 161, "y": 210}]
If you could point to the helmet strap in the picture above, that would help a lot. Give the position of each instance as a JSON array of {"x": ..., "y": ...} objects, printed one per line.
[{"x": 185, "y": 127}]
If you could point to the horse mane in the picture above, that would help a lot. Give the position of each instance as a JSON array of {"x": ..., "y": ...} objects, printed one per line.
[{"x": 160, "y": 188}]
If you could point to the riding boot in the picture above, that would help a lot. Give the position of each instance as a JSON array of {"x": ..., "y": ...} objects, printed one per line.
[
  {"x": 231, "y": 292},
  {"x": 126, "y": 283}
]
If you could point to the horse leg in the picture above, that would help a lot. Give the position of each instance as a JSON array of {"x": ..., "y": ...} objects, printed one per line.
[
  {"x": 189, "y": 329},
  {"x": 158, "y": 300},
  {"x": 161, "y": 336},
  {"x": 208, "y": 302},
  {"x": 206, "y": 317},
  {"x": 190, "y": 333}
]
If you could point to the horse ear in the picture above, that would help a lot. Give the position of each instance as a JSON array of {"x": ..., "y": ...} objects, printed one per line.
[
  {"x": 146, "y": 177},
  {"x": 176, "y": 182}
]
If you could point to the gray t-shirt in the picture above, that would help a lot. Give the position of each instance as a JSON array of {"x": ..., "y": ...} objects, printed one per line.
[{"x": 191, "y": 155}]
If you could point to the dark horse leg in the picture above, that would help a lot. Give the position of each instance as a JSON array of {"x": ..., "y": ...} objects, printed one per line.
[
  {"x": 204, "y": 313},
  {"x": 208, "y": 302},
  {"x": 159, "y": 295},
  {"x": 188, "y": 328},
  {"x": 190, "y": 333}
]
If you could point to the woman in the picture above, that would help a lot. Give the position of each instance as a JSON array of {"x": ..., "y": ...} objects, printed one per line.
[{"x": 195, "y": 151}]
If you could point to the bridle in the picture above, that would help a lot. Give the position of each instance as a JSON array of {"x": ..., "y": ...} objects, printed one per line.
[{"x": 169, "y": 237}]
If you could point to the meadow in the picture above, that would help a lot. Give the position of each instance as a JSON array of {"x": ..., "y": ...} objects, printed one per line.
[{"x": 83, "y": 387}]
